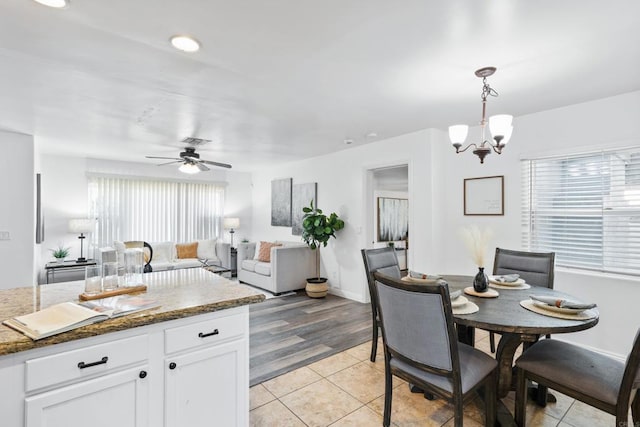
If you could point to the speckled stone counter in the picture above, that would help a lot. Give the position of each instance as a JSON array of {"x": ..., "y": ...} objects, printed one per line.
[{"x": 180, "y": 293}]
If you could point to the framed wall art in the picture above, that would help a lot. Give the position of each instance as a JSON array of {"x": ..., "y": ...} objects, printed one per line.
[
  {"x": 484, "y": 195},
  {"x": 393, "y": 219}
]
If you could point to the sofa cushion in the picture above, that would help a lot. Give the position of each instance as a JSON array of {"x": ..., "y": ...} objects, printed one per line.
[
  {"x": 187, "y": 250},
  {"x": 187, "y": 263},
  {"x": 263, "y": 268},
  {"x": 249, "y": 264},
  {"x": 256, "y": 252},
  {"x": 162, "y": 252},
  {"x": 264, "y": 255},
  {"x": 207, "y": 249},
  {"x": 162, "y": 265}
]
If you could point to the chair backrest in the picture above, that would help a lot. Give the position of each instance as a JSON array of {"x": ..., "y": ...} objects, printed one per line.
[
  {"x": 383, "y": 260},
  {"x": 536, "y": 268},
  {"x": 631, "y": 376},
  {"x": 417, "y": 325}
]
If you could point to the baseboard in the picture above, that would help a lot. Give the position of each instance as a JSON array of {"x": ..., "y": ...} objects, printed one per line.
[{"x": 348, "y": 295}]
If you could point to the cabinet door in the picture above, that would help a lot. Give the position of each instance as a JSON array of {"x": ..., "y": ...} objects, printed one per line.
[
  {"x": 120, "y": 399},
  {"x": 208, "y": 387}
]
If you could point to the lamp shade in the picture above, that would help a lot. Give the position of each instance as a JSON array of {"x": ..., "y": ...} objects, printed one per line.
[
  {"x": 82, "y": 225},
  {"x": 231, "y": 223},
  {"x": 500, "y": 124},
  {"x": 458, "y": 133}
]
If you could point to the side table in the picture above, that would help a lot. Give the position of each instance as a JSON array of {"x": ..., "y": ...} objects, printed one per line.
[
  {"x": 234, "y": 262},
  {"x": 66, "y": 266}
]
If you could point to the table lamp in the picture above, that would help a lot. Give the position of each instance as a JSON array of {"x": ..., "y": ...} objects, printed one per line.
[
  {"x": 231, "y": 224},
  {"x": 83, "y": 225}
]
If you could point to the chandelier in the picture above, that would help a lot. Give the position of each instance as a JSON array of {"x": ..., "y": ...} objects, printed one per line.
[{"x": 499, "y": 125}]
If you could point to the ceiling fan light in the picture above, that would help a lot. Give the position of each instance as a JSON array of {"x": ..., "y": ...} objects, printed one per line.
[
  {"x": 500, "y": 124},
  {"x": 189, "y": 168},
  {"x": 458, "y": 133}
]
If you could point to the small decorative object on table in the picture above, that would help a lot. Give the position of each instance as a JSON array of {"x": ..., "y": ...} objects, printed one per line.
[
  {"x": 476, "y": 241},
  {"x": 60, "y": 253}
]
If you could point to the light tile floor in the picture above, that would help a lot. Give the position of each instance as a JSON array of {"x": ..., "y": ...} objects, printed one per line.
[{"x": 348, "y": 390}]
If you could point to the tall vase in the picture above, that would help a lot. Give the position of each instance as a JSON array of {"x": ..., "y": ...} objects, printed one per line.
[{"x": 481, "y": 281}]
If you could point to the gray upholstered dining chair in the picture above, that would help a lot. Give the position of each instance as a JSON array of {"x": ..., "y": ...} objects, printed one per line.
[
  {"x": 384, "y": 260},
  {"x": 590, "y": 377},
  {"x": 421, "y": 347},
  {"x": 536, "y": 268}
]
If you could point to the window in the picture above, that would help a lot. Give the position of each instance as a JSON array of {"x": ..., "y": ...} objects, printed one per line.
[
  {"x": 586, "y": 209},
  {"x": 153, "y": 211}
]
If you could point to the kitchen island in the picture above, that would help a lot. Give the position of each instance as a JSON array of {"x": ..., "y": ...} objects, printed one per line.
[{"x": 184, "y": 363}]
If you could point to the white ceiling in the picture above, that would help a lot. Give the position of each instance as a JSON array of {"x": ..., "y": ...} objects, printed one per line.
[{"x": 287, "y": 79}]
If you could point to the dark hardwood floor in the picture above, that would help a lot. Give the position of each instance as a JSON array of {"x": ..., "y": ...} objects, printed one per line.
[{"x": 292, "y": 331}]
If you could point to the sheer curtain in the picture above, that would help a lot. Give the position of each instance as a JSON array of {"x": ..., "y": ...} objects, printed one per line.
[{"x": 153, "y": 210}]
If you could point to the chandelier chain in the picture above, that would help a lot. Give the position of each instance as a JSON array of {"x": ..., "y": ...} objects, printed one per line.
[{"x": 487, "y": 90}]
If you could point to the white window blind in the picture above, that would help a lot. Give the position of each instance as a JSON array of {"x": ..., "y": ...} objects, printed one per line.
[
  {"x": 154, "y": 211},
  {"x": 586, "y": 209}
]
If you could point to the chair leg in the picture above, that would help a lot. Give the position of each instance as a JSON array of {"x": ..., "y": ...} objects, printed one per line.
[
  {"x": 521, "y": 398},
  {"x": 374, "y": 340},
  {"x": 388, "y": 395},
  {"x": 492, "y": 342},
  {"x": 635, "y": 409},
  {"x": 490, "y": 402},
  {"x": 458, "y": 417}
]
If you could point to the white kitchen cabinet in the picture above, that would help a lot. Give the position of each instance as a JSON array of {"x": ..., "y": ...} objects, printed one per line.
[
  {"x": 135, "y": 386},
  {"x": 120, "y": 399},
  {"x": 207, "y": 387}
]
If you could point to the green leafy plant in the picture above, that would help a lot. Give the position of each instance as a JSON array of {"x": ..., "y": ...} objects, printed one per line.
[
  {"x": 61, "y": 252},
  {"x": 318, "y": 228}
]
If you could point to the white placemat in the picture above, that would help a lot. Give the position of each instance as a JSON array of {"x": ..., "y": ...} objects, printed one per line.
[
  {"x": 490, "y": 293},
  {"x": 585, "y": 315},
  {"x": 516, "y": 287},
  {"x": 468, "y": 308}
]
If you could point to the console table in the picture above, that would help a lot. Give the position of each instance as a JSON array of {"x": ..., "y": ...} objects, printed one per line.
[{"x": 52, "y": 267}]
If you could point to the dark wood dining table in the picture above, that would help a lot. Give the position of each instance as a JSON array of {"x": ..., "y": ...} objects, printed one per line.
[{"x": 516, "y": 324}]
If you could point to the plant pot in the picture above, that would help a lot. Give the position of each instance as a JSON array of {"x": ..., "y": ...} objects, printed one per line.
[
  {"x": 317, "y": 287},
  {"x": 59, "y": 260}
]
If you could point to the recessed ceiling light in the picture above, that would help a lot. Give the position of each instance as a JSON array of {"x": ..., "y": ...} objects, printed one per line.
[
  {"x": 372, "y": 135},
  {"x": 54, "y": 3},
  {"x": 348, "y": 141},
  {"x": 185, "y": 43}
]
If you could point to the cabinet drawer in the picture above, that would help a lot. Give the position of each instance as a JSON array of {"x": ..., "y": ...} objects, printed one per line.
[
  {"x": 84, "y": 362},
  {"x": 205, "y": 333}
]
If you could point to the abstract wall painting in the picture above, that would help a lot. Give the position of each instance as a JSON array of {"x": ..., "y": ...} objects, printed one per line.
[
  {"x": 303, "y": 194},
  {"x": 281, "y": 202},
  {"x": 393, "y": 219}
]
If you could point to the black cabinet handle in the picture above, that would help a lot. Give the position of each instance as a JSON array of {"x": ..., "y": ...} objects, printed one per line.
[
  {"x": 172, "y": 365},
  {"x": 102, "y": 361},
  {"x": 143, "y": 374},
  {"x": 203, "y": 335}
]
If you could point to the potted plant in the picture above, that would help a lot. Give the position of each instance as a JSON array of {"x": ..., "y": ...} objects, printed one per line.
[
  {"x": 60, "y": 253},
  {"x": 317, "y": 229}
]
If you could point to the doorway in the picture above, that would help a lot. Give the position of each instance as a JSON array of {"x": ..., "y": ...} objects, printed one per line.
[{"x": 387, "y": 209}]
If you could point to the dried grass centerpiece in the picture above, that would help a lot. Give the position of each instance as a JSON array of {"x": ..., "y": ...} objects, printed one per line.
[{"x": 477, "y": 240}]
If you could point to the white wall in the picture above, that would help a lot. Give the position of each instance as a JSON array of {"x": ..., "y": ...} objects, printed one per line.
[
  {"x": 64, "y": 182},
  {"x": 17, "y": 215},
  {"x": 605, "y": 123},
  {"x": 341, "y": 182}
]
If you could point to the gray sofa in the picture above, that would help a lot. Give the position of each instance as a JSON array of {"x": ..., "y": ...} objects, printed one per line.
[{"x": 291, "y": 264}]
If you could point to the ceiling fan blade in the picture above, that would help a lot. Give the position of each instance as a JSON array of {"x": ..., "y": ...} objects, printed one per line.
[
  {"x": 202, "y": 167},
  {"x": 165, "y": 158},
  {"x": 222, "y": 165},
  {"x": 169, "y": 163}
]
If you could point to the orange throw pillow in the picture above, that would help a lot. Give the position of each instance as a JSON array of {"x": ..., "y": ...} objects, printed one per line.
[
  {"x": 265, "y": 251},
  {"x": 187, "y": 250}
]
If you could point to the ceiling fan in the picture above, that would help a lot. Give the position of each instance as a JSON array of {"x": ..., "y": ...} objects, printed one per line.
[{"x": 191, "y": 162}]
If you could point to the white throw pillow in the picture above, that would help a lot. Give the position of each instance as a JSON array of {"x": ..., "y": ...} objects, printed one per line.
[
  {"x": 255, "y": 255},
  {"x": 163, "y": 251},
  {"x": 207, "y": 249}
]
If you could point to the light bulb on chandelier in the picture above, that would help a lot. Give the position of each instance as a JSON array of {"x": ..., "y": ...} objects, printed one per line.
[{"x": 499, "y": 125}]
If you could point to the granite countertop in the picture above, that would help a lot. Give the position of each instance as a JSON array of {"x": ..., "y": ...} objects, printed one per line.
[{"x": 181, "y": 293}]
